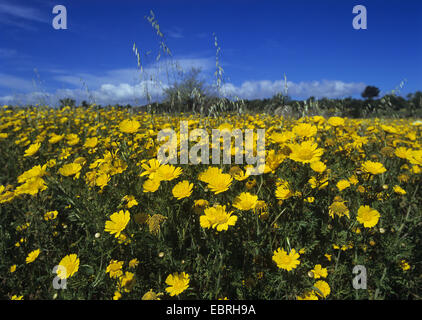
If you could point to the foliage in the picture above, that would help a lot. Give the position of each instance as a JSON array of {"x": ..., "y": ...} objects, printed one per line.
[{"x": 93, "y": 172}]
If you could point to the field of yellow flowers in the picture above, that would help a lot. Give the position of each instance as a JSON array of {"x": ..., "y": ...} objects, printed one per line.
[{"x": 87, "y": 211}]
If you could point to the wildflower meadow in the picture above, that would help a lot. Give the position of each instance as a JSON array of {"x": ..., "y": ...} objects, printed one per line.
[{"x": 87, "y": 211}]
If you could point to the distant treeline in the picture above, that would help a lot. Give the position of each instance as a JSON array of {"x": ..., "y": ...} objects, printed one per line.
[{"x": 390, "y": 105}]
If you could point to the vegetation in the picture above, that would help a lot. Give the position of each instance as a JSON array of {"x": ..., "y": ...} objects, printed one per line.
[{"x": 81, "y": 191}]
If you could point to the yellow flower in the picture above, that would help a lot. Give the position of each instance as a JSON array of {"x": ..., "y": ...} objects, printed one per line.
[
  {"x": 117, "y": 222},
  {"x": 168, "y": 173},
  {"x": 200, "y": 205},
  {"x": 250, "y": 183},
  {"x": 318, "y": 166},
  {"x": 15, "y": 297},
  {"x": 245, "y": 201},
  {"x": 416, "y": 157},
  {"x": 306, "y": 152},
  {"x": 123, "y": 239},
  {"x": 404, "y": 265},
  {"x": 286, "y": 261},
  {"x": 32, "y": 256},
  {"x": 238, "y": 174},
  {"x": 127, "y": 281},
  {"x": 320, "y": 183},
  {"x": 50, "y": 215},
  {"x": 32, "y": 149},
  {"x": 117, "y": 295},
  {"x": 72, "y": 139},
  {"x": 308, "y": 295},
  {"x": 353, "y": 180},
  {"x": 217, "y": 218},
  {"x": 70, "y": 169},
  {"x": 373, "y": 167},
  {"x": 131, "y": 201},
  {"x": 336, "y": 121},
  {"x": 220, "y": 183},
  {"x": 323, "y": 288},
  {"x": 261, "y": 209},
  {"x": 151, "y": 185},
  {"x": 150, "y": 168},
  {"x": 51, "y": 163},
  {"x": 102, "y": 180},
  {"x": 151, "y": 295},
  {"x": 55, "y": 138},
  {"x": 388, "y": 129},
  {"x": 129, "y": 126},
  {"x": 91, "y": 142},
  {"x": 403, "y": 153},
  {"x": 319, "y": 272},
  {"x": 305, "y": 130},
  {"x": 31, "y": 186},
  {"x": 282, "y": 137},
  {"x": 6, "y": 196},
  {"x": 69, "y": 266},
  {"x": 367, "y": 216},
  {"x": 309, "y": 199},
  {"x": 283, "y": 191},
  {"x": 133, "y": 263},
  {"x": 338, "y": 208},
  {"x": 209, "y": 174},
  {"x": 12, "y": 268},
  {"x": 182, "y": 190},
  {"x": 177, "y": 283},
  {"x": 114, "y": 269},
  {"x": 343, "y": 184},
  {"x": 399, "y": 190}
]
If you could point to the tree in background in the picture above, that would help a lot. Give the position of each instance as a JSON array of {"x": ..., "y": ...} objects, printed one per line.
[
  {"x": 189, "y": 93},
  {"x": 67, "y": 102},
  {"x": 370, "y": 92}
]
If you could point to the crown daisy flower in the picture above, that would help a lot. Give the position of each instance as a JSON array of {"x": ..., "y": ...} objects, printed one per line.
[
  {"x": 220, "y": 183},
  {"x": 178, "y": 282},
  {"x": 245, "y": 201},
  {"x": 217, "y": 218},
  {"x": 182, "y": 190},
  {"x": 306, "y": 152},
  {"x": 367, "y": 216},
  {"x": 117, "y": 222},
  {"x": 286, "y": 261},
  {"x": 69, "y": 266}
]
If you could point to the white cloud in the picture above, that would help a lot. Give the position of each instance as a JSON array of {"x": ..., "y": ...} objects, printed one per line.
[
  {"x": 6, "y": 99},
  {"x": 15, "y": 83},
  {"x": 125, "y": 85},
  {"x": 135, "y": 94},
  {"x": 266, "y": 89},
  {"x": 116, "y": 77},
  {"x": 107, "y": 93},
  {"x": 14, "y": 13},
  {"x": 129, "y": 85}
]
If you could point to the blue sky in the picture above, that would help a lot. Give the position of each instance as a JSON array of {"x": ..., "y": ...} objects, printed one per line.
[{"x": 312, "y": 42}]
